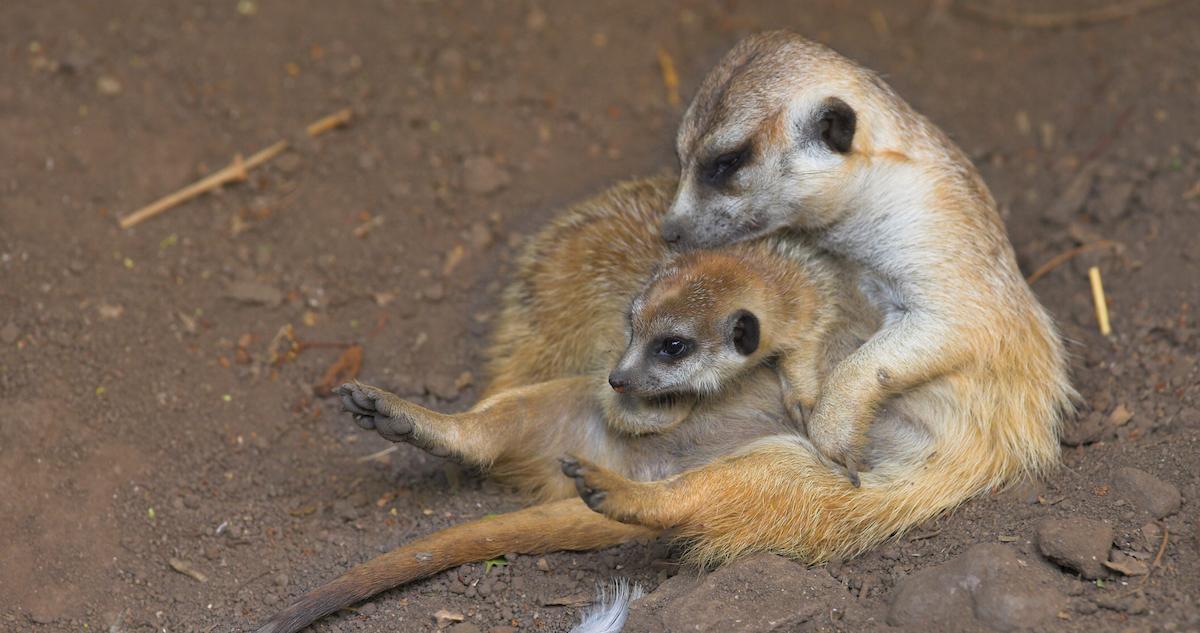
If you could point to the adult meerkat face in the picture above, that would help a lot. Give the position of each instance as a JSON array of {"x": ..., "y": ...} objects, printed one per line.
[{"x": 761, "y": 146}]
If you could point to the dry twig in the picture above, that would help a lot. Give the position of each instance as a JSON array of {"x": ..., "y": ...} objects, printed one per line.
[
  {"x": 1099, "y": 300},
  {"x": 669, "y": 76},
  {"x": 1062, "y": 258},
  {"x": 235, "y": 171},
  {"x": 1162, "y": 548},
  {"x": 1061, "y": 19},
  {"x": 344, "y": 368}
]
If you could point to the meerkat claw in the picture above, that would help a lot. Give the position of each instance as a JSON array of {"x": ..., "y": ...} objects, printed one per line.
[
  {"x": 852, "y": 472},
  {"x": 577, "y": 471}
]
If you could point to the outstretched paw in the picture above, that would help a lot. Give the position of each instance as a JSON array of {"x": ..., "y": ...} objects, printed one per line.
[
  {"x": 588, "y": 481},
  {"x": 601, "y": 489},
  {"x": 369, "y": 407}
]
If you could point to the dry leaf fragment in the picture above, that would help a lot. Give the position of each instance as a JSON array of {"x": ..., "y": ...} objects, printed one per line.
[
  {"x": 344, "y": 368},
  {"x": 453, "y": 259},
  {"x": 185, "y": 568},
  {"x": 445, "y": 617},
  {"x": 1128, "y": 567},
  {"x": 669, "y": 76}
]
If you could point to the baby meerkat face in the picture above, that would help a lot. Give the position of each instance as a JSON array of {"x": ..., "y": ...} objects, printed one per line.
[
  {"x": 670, "y": 354},
  {"x": 764, "y": 144}
]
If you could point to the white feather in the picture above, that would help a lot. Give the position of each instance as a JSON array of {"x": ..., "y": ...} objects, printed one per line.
[{"x": 608, "y": 613}]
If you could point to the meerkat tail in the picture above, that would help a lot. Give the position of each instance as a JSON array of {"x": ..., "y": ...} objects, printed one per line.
[
  {"x": 611, "y": 608},
  {"x": 559, "y": 525}
]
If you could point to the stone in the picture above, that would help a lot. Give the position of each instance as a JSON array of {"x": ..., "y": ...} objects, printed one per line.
[
  {"x": 482, "y": 176},
  {"x": 759, "y": 593},
  {"x": 988, "y": 585},
  {"x": 1087, "y": 429},
  {"x": 1146, "y": 492},
  {"x": 9, "y": 334},
  {"x": 1070, "y": 200},
  {"x": 108, "y": 85},
  {"x": 255, "y": 293},
  {"x": 1076, "y": 543},
  {"x": 463, "y": 627},
  {"x": 1113, "y": 200}
]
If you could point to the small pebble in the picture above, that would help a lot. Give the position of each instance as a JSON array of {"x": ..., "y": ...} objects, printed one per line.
[{"x": 108, "y": 85}]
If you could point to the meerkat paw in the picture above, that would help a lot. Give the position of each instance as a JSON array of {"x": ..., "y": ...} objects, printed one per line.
[
  {"x": 799, "y": 409},
  {"x": 838, "y": 443},
  {"x": 601, "y": 489},
  {"x": 384, "y": 412}
]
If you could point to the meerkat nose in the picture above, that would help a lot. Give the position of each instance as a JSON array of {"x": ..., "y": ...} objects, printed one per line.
[
  {"x": 672, "y": 233},
  {"x": 617, "y": 382}
]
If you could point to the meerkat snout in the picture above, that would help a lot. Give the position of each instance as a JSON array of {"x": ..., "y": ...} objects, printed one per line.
[{"x": 618, "y": 381}]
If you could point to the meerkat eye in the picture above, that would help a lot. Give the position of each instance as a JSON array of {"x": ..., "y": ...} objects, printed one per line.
[
  {"x": 673, "y": 347},
  {"x": 721, "y": 168}
]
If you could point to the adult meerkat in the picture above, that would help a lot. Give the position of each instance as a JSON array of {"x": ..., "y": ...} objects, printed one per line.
[
  {"x": 787, "y": 134},
  {"x": 559, "y": 335}
]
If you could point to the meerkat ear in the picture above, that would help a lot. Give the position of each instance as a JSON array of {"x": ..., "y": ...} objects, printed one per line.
[
  {"x": 836, "y": 125},
  {"x": 745, "y": 332}
]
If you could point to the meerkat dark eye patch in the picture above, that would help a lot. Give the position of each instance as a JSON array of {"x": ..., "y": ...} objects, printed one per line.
[
  {"x": 719, "y": 170},
  {"x": 673, "y": 347},
  {"x": 836, "y": 125},
  {"x": 745, "y": 332}
]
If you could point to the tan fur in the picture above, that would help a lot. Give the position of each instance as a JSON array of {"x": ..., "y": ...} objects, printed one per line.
[
  {"x": 950, "y": 417},
  {"x": 907, "y": 206}
]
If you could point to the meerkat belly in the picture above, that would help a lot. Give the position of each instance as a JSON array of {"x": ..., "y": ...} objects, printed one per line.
[{"x": 750, "y": 410}]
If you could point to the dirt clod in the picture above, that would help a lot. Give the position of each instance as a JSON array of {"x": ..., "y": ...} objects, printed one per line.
[
  {"x": 1147, "y": 492},
  {"x": 756, "y": 594},
  {"x": 1076, "y": 543},
  {"x": 988, "y": 584},
  {"x": 9, "y": 333},
  {"x": 1133, "y": 603}
]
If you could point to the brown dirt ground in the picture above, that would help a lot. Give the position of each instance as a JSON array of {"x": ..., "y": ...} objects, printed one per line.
[{"x": 139, "y": 422}]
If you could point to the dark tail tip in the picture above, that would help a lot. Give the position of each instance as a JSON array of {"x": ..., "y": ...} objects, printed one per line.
[{"x": 311, "y": 607}]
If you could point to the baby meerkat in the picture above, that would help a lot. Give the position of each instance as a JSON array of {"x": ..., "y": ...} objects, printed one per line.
[
  {"x": 707, "y": 317},
  {"x": 787, "y": 134}
]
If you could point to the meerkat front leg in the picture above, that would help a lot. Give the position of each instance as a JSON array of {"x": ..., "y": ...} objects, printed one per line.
[
  {"x": 903, "y": 355},
  {"x": 618, "y": 497},
  {"x": 801, "y": 382},
  {"x": 725, "y": 493}
]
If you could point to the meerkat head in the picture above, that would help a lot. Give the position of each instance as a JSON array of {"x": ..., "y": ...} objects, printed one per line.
[
  {"x": 769, "y": 139},
  {"x": 699, "y": 323}
]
